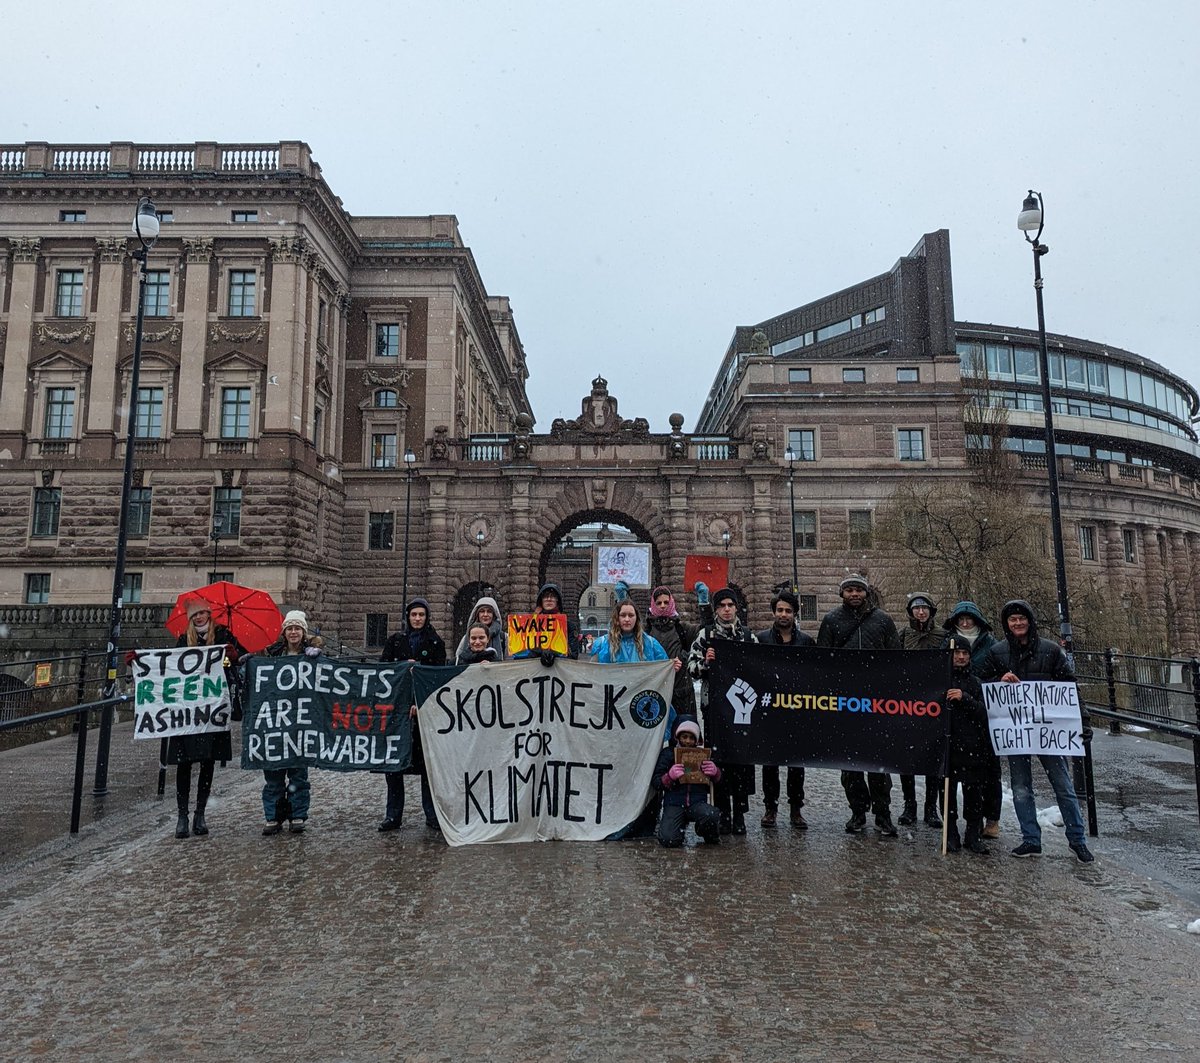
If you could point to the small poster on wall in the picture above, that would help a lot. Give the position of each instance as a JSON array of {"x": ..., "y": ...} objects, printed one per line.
[{"x": 627, "y": 562}]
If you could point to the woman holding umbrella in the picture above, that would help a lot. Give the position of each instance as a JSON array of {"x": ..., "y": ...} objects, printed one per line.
[
  {"x": 419, "y": 643},
  {"x": 203, "y": 749}
]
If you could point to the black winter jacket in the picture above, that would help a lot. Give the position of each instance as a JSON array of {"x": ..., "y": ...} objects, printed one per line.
[
  {"x": 971, "y": 755},
  {"x": 841, "y": 629}
]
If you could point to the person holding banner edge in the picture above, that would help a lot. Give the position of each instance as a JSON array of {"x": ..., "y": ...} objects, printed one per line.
[
  {"x": 286, "y": 791},
  {"x": 204, "y": 749},
  {"x": 784, "y": 632},
  {"x": 418, "y": 642},
  {"x": 921, "y": 635},
  {"x": 971, "y": 755},
  {"x": 736, "y": 781},
  {"x": 857, "y": 624},
  {"x": 1023, "y": 655}
]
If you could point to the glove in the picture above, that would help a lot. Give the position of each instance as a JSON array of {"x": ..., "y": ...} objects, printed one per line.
[
  {"x": 709, "y": 769},
  {"x": 231, "y": 654},
  {"x": 701, "y": 593},
  {"x": 675, "y": 772},
  {"x": 547, "y": 657},
  {"x": 130, "y": 657},
  {"x": 621, "y": 591},
  {"x": 312, "y": 651},
  {"x": 1086, "y": 735}
]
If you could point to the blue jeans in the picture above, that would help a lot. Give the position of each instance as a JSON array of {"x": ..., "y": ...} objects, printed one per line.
[
  {"x": 293, "y": 781},
  {"x": 1020, "y": 770}
]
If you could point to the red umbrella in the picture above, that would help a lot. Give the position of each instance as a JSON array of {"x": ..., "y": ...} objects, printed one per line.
[{"x": 251, "y": 615}]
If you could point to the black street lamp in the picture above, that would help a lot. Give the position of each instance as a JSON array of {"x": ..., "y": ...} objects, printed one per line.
[
  {"x": 725, "y": 537},
  {"x": 145, "y": 228},
  {"x": 217, "y": 528},
  {"x": 791, "y": 457},
  {"x": 410, "y": 459},
  {"x": 479, "y": 537},
  {"x": 1031, "y": 220}
]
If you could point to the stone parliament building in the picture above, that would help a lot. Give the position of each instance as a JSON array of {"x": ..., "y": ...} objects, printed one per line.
[{"x": 315, "y": 383}]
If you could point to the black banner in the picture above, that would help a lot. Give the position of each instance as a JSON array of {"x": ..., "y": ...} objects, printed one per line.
[
  {"x": 861, "y": 710},
  {"x": 327, "y": 713}
]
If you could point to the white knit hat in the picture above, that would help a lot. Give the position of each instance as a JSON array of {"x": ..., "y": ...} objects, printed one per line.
[{"x": 296, "y": 618}]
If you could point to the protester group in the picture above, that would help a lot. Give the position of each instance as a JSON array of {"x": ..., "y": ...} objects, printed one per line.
[{"x": 717, "y": 800}]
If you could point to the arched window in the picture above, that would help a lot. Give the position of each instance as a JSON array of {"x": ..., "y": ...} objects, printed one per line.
[{"x": 386, "y": 398}]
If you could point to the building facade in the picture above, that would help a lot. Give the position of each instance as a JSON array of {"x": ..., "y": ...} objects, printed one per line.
[{"x": 295, "y": 355}]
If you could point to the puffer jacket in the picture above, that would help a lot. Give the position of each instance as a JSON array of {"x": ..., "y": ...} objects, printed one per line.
[
  {"x": 1035, "y": 658},
  {"x": 841, "y": 629}
]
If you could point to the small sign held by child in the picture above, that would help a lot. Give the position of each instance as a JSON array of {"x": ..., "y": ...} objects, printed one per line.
[{"x": 691, "y": 757}]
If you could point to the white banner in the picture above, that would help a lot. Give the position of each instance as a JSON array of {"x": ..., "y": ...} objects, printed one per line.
[
  {"x": 623, "y": 562},
  {"x": 523, "y": 752},
  {"x": 1034, "y": 717},
  {"x": 180, "y": 692}
]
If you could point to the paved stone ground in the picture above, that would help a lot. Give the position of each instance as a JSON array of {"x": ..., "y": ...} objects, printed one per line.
[{"x": 344, "y": 944}]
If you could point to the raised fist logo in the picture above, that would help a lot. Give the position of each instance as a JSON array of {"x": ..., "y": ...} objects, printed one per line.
[{"x": 742, "y": 697}]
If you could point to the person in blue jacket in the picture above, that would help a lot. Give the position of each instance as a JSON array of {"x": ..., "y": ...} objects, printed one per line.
[
  {"x": 627, "y": 641},
  {"x": 685, "y": 803}
]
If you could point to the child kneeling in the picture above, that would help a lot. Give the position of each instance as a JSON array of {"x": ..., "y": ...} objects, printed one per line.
[{"x": 683, "y": 802}]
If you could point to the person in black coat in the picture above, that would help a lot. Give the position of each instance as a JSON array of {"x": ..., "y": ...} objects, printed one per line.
[
  {"x": 784, "y": 632},
  {"x": 418, "y": 642},
  {"x": 857, "y": 624},
  {"x": 676, "y": 637},
  {"x": 972, "y": 760},
  {"x": 203, "y": 749}
]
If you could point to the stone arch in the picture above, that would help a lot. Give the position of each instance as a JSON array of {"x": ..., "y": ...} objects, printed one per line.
[{"x": 595, "y": 515}]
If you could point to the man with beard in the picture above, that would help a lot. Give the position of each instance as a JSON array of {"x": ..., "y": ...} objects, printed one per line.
[{"x": 857, "y": 625}]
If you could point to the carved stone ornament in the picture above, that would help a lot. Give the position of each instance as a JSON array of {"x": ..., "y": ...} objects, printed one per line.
[
  {"x": 198, "y": 250},
  {"x": 475, "y": 524},
  {"x": 111, "y": 250},
  {"x": 374, "y": 378},
  {"x": 221, "y": 332},
  {"x": 46, "y": 332},
  {"x": 598, "y": 416},
  {"x": 289, "y": 249},
  {"x": 439, "y": 449},
  {"x": 717, "y": 524},
  {"x": 26, "y": 250},
  {"x": 759, "y": 344},
  {"x": 170, "y": 334}
]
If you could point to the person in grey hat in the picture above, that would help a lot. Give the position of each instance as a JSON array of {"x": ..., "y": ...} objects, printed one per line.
[
  {"x": 921, "y": 635},
  {"x": 858, "y": 625}
]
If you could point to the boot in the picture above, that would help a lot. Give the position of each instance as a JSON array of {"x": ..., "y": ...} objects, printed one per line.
[
  {"x": 181, "y": 825},
  {"x": 199, "y": 828},
  {"x": 974, "y": 839},
  {"x": 909, "y": 816},
  {"x": 770, "y": 816},
  {"x": 953, "y": 842},
  {"x": 933, "y": 815},
  {"x": 884, "y": 824}
]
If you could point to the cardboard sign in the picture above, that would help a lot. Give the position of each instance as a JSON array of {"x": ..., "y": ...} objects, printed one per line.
[
  {"x": 691, "y": 757},
  {"x": 1034, "y": 717},
  {"x": 713, "y": 571},
  {"x": 537, "y": 632},
  {"x": 41, "y": 675},
  {"x": 180, "y": 692},
  {"x": 627, "y": 563}
]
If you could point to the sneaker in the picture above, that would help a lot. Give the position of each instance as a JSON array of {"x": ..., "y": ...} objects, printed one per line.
[
  {"x": 991, "y": 829},
  {"x": 1083, "y": 853},
  {"x": 387, "y": 825},
  {"x": 272, "y": 828},
  {"x": 770, "y": 817},
  {"x": 798, "y": 820},
  {"x": 739, "y": 823},
  {"x": 1027, "y": 849},
  {"x": 856, "y": 823},
  {"x": 885, "y": 826},
  {"x": 296, "y": 826},
  {"x": 909, "y": 816}
]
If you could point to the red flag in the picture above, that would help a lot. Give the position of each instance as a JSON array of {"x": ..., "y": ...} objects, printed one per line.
[{"x": 712, "y": 570}]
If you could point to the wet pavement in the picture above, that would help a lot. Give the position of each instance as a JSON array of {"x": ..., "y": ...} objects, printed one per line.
[{"x": 344, "y": 944}]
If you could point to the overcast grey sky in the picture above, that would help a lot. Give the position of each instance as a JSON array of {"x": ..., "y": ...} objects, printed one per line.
[{"x": 641, "y": 177}]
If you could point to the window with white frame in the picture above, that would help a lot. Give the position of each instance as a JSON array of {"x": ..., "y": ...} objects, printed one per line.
[
  {"x": 387, "y": 340},
  {"x": 37, "y": 588},
  {"x": 73, "y": 217},
  {"x": 245, "y": 217},
  {"x": 387, "y": 334},
  {"x": 801, "y": 375},
  {"x": 854, "y": 376},
  {"x": 68, "y": 293},
  {"x": 910, "y": 444},
  {"x": 243, "y": 301}
]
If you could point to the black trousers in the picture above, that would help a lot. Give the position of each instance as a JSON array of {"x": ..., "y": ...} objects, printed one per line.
[
  {"x": 870, "y": 792},
  {"x": 993, "y": 793},
  {"x": 183, "y": 785},
  {"x": 974, "y": 799},
  {"x": 732, "y": 793},
  {"x": 933, "y": 789},
  {"x": 770, "y": 786}
]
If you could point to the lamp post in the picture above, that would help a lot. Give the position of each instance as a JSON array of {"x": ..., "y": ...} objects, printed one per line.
[
  {"x": 410, "y": 459},
  {"x": 1031, "y": 220},
  {"x": 791, "y": 457},
  {"x": 215, "y": 535},
  {"x": 479, "y": 537},
  {"x": 145, "y": 228},
  {"x": 725, "y": 537}
]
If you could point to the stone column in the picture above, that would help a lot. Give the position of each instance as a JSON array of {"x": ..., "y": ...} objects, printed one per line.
[
  {"x": 17, "y": 343},
  {"x": 1183, "y": 571},
  {"x": 285, "y": 348},
  {"x": 107, "y": 399},
  {"x": 194, "y": 341},
  {"x": 1154, "y": 576}
]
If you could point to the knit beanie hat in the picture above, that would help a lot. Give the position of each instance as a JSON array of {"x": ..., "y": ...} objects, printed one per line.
[
  {"x": 296, "y": 618},
  {"x": 688, "y": 726},
  {"x": 724, "y": 594},
  {"x": 852, "y": 581}
]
